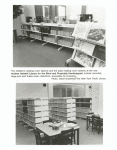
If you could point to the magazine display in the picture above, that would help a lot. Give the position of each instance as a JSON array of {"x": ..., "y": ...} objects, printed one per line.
[
  {"x": 81, "y": 30},
  {"x": 97, "y": 33},
  {"x": 88, "y": 48},
  {"x": 84, "y": 59},
  {"x": 78, "y": 44}
]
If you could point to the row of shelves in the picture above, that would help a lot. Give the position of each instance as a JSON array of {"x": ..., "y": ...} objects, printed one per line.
[
  {"x": 58, "y": 31},
  {"x": 34, "y": 102},
  {"x": 50, "y": 30},
  {"x": 65, "y": 110},
  {"x": 83, "y": 57},
  {"x": 59, "y": 105},
  {"x": 33, "y": 114},
  {"x": 50, "y": 38},
  {"x": 30, "y": 122},
  {"x": 70, "y": 114},
  {"x": 61, "y": 118},
  {"x": 62, "y": 100}
]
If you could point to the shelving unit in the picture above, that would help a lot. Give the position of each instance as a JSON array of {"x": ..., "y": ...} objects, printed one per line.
[
  {"x": 87, "y": 53},
  {"x": 32, "y": 111},
  {"x": 62, "y": 109},
  {"x": 89, "y": 45},
  {"x": 83, "y": 107},
  {"x": 50, "y": 33}
]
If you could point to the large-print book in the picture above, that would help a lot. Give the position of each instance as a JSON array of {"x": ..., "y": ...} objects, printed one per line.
[
  {"x": 81, "y": 30},
  {"x": 97, "y": 33}
]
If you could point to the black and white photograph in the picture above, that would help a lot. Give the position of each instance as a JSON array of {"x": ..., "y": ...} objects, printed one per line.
[
  {"x": 59, "y": 113},
  {"x": 59, "y": 36}
]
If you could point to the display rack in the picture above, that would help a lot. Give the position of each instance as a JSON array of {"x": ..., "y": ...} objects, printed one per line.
[
  {"x": 89, "y": 45},
  {"x": 32, "y": 111},
  {"x": 62, "y": 109},
  {"x": 83, "y": 107},
  {"x": 87, "y": 52},
  {"x": 91, "y": 55}
]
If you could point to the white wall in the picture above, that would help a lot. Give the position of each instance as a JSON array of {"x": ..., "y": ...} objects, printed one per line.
[
  {"x": 99, "y": 13},
  {"x": 29, "y": 11},
  {"x": 72, "y": 11},
  {"x": 16, "y": 25},
  {"x": 97, "y": 98},
  {"x": 100, "y": 109},
  {"x": 31, "y": 90}
]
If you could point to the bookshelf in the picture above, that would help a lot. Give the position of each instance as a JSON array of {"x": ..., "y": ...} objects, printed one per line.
[
  {"x": 32, "y": 111},
  {"x": 83, "y": 107},
  {"x": 89, "y": 50},
  {"x": 62, "y": 109},
  {"x": 50, "y": 33}
]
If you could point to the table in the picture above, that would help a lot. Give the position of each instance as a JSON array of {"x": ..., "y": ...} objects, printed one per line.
[
  {"x": 45, "y": 128},
  {"x": 88, "y": 119}
]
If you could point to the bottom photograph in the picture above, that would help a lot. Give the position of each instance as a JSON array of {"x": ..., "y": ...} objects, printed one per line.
[{"x": 59, "y": 114}]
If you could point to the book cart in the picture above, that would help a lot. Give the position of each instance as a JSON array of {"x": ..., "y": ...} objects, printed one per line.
[
  {"x": 62, "y": 109},
  {"x": 32, "y": 111}
]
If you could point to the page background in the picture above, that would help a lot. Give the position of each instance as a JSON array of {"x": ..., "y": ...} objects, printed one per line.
[{"x": 8, "y": 92}]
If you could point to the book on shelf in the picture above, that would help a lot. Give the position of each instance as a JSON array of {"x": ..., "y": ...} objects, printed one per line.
[
  {"x": 81, "y": 30},
  {"x": 99, "y": 63},
  {"x": 84, "y": 59},
  {"x": 97, "y": 33}
]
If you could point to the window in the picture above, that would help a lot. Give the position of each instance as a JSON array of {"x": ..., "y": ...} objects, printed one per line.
[
  {"x": 61, "y": 11},
  {"x": 46, "y": 11}
]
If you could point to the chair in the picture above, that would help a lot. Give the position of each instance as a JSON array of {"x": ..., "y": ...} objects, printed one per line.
[
  {"x": 97, "y": 122},
  {"x": 90, "y": 119},
  {"x": 40, "y": 140},
  {"x": 69, "y": 121},
  {"x": 66, "y": 137}
]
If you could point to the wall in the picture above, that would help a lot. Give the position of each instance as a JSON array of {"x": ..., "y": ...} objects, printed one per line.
[
  {"x": 72, "y": 11},
  {"x": 78, "y": 90},
  {"x": 29, "y": 11},
  {"x": 31, "y": 90},
  {"x": 100, "y": 109},
  {"x": 98, "y": 12},
  {"x": 16, "y": 25},
  {"x": 97, "y": 98}
]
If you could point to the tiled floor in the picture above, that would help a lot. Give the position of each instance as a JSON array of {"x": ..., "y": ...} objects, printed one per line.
[{"x": 86, "y": 137}]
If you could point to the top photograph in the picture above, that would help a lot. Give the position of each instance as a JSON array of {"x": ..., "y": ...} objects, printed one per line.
[{"x": 59, "y": 36}]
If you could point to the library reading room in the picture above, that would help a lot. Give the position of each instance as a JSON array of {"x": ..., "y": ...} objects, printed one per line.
[
  {"x": 59, "y": 36},
  {"x": 59, "y": 114}
]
